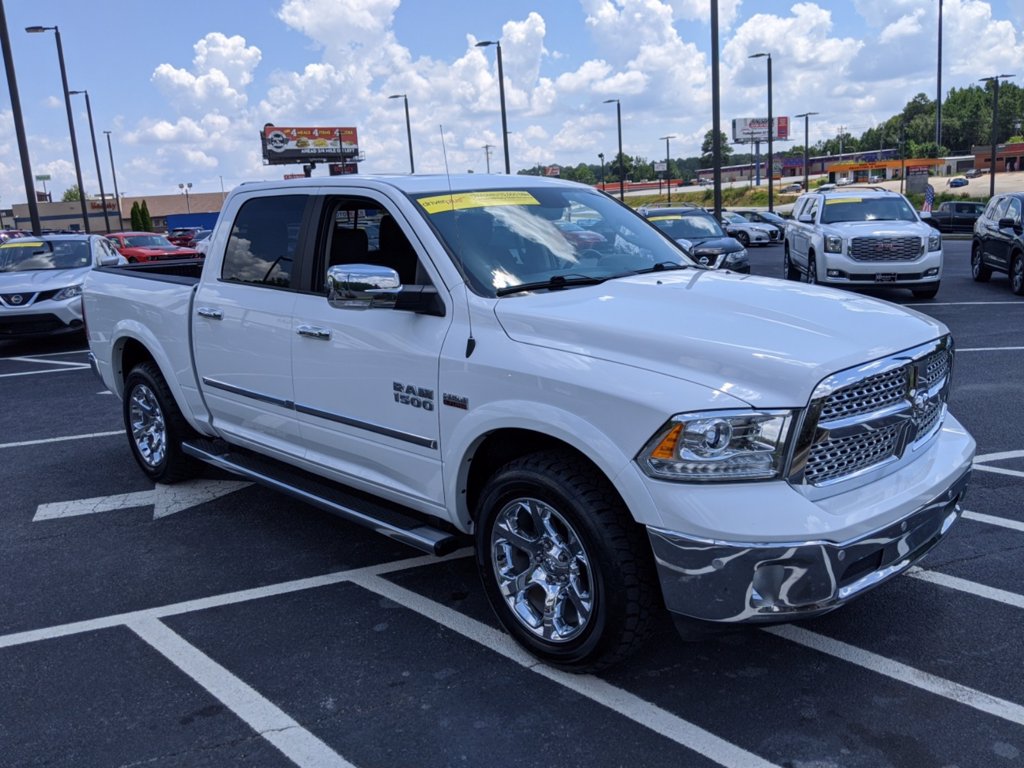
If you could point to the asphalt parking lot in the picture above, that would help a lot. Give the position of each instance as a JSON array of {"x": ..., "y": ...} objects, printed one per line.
[{"x": 216, "y": 623}]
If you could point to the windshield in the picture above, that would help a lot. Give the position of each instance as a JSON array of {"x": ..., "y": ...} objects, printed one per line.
[
  {"x": 687, "y": 227},
  {"x": 734, "y": 217},
  {"x": 867, "y": 209},
  {"x": 505, "y": 238},
  {"x": 26, "y": 255},
  {"x": 148, "y": 241}
]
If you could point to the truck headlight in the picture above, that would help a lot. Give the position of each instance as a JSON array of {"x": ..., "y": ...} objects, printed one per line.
[
  {"x": 68, "y": 293},
  {"x": 934, "y": 241},
  {"x": 833, "y": 244},
  {"x": 718, "y": 446}
]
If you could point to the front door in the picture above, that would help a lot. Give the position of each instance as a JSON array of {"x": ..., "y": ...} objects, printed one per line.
[{"x": 366, "y": 380}]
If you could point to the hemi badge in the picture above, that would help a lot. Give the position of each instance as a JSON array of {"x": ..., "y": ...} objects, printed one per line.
[{"x": 455, "y": 401}]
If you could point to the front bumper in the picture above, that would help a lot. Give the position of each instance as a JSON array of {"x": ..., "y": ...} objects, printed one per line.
[
  {"x": 765, "y": 582},
  {"x": 42, "y": 318}
]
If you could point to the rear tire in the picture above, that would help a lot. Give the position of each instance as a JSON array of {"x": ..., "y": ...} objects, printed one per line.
[
  {"x": 1017, "y": 273},
  {"x": 155, "y": 426},
  {"x": 566, "y": 569},
  {"x": 979, "y": 271}
]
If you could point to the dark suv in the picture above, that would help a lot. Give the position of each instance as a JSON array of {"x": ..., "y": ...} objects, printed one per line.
[
  {"x": 999, "y": 241},
  {"x": 701, "y": 236}
]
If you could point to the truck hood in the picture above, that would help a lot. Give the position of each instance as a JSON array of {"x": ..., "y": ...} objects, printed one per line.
[
  {"x": 767, "y": 342},
  {"x": 35, "y": 280},
  {"x": 878, "y": 228}
]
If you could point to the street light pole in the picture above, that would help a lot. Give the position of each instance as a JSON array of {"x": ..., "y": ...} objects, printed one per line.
[
  {"x": 622, "y": 167},
  {"x": 501, "y": 93},
  {"x": 113, "y": 172},
  {"x": 600, "y": 156},
  {"x": 408, "y": 128},
  {"x": 771, "y": 130},
  {"x": 995, "y": 120},
  {"x": 807, "y": 171},
  {"x": 186, "y": 187},
  {"x": 96, "y": 157},
  {"x": 71, "y": 119},
  {"x": 668, "y": 168},
  {"x": 19, "y": 124},
  {"x": 938, "y": 90},
  {"x": 487, "y": 155}
]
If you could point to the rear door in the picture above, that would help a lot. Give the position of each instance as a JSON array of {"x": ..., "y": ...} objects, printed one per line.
[
  {"x": 242, "y": 325},
  {"x": 366, "y": 380}
]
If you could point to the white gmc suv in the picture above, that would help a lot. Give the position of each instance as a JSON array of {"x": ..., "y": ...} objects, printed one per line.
[{"x": 862, "y": 237}]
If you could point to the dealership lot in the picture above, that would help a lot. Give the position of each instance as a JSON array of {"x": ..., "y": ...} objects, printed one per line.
[{"x": 217, "y": 623}]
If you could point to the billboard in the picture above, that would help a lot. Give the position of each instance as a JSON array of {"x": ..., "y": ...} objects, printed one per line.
[
  {"x": 747, "y": 129},
  {"x": 282, "y": 146}
]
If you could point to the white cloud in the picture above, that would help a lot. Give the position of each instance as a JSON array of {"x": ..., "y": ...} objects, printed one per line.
[
  {"x": 223, "y": 67},
  {"x": 905, "y": 26}
]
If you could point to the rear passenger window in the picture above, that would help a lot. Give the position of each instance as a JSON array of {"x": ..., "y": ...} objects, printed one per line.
[{"x": 261, "y": 249}]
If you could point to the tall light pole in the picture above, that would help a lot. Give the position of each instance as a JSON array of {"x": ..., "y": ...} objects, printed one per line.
[
  {"x": 113, "y": 172},
  {"x": 771, "y": 130},
  {"x": 807, "y": 171},
  {"x": 185, "y": 187},
  {"x": 71, "y": 119},
  {"x": 501, "y": 93},
  {"x": 622, "y": 167},
  {"x": 668, "y": 166},
  {"x": 96, "y": 157},
  {"x": 995, "y": 121},
  {"x": 487, "y": 155},
  {"x": 19, "y": 125},
  {"x": 938, "y": 90},
  {"x": 600, "y": 156},
  {"x": 408, "y": 128}
]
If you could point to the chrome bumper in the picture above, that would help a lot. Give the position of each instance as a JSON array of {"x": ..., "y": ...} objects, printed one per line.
[{"x": 734, "y": 582}]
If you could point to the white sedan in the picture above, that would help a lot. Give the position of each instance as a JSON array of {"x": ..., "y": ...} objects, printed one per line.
[
  {"x": 748, "y": 232},
  {"x": 41, "y": 282}
]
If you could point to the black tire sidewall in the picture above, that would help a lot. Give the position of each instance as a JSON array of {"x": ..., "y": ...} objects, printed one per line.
[
  {"x": 519, "y": 480},
  {"x": 175, "y": 465}
]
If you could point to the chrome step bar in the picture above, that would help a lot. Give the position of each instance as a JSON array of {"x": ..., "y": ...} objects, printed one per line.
[{"x": 377, "y": 515}]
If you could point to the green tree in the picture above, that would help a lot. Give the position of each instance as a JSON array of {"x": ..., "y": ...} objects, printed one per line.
[
  {"x": 71, "y": 194},
  {"x": 136, "y": 217},
  {"x": 585, "y": 174},
  {"x": 147, "y": 220},
  {"x": 706, "y": 149}
]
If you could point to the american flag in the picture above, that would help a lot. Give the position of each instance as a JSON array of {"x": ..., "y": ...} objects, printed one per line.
[{"x": 929, "y": 198}]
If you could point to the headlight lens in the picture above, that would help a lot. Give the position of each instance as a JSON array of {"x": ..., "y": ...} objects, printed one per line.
[
  {"x": 68, "y": 293},
  {"x": 934, "y": 241},
  {"x": 833, "y": 244},
  {"x": 736, "y": 257},
  {"x": 718, "y": 446}
]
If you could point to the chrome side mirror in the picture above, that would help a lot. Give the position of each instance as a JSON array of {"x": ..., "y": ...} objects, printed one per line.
[
  {"x": 362, "y": 286},
  {"x": 106, "y": 260}
]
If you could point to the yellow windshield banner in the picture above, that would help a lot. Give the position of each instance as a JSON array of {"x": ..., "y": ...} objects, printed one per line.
[
  {"x": 462, "y": 200},
  {"x": 23, "y": 244},
  {"x": 664, "y": 218},
  {"x": 838, "y": 200}
]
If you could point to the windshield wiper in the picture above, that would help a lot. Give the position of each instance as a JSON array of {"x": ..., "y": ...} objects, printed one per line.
[
  {"x": 661, "y": 266},
  {"x": 553, "y": 284}
]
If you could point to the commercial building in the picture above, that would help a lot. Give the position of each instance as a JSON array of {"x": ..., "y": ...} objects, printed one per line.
[{"x": 166, "y": 211}]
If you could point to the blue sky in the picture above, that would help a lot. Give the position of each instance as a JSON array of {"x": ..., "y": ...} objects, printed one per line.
[{"x": 184, "y": 87}]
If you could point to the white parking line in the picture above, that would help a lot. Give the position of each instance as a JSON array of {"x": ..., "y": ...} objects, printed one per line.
[
  {"x": 46, "y": 440},
  {"x": 999, "y": 470},
  {"x": 988, "y": 349},
  {"x": 970, "y": 587},
  {"x": 1002, "y": 522},
  {"x": 649, "y": 715},
  {"x": 49, "y": 362},
  {"x": 964, "y": 303},
  {"x": 259, "y": 713},
  {"x": 902, "y": 673},
  {"x": 43, "y": 373}
]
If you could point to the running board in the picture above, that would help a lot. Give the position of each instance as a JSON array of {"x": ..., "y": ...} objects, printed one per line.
[{"x": 356, "y": 507}]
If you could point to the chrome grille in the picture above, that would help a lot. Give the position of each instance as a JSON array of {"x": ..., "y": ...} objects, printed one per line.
[
  {"x": 867, "y": 396},
  {"x": 865, "y": 419},
  {"x": 885, "y": 248},
  {"x": 846, "y": 455}
]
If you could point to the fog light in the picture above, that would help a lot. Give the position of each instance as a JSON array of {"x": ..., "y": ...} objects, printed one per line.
[
  {"x": 833, "y": 273},
  {"x": 931, "y": 272}
]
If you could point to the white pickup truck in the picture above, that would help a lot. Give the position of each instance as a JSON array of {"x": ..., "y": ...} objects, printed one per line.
[{"x": 444, "y": 360}]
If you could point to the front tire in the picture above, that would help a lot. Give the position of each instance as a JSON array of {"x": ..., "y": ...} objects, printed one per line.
[
  {"x": 788, "y": 270},
  {"x": 979, "y": 271},
  {"x": 1017, "y": 273},
  {"x": 744, "y": 238},
  {"x": 156, "y": 427},
  {"x": 565, "y": 568},
  {"x": 812, "y": 270}
]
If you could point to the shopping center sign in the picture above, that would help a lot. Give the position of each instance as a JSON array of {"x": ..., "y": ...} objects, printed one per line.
[{"x": 747, "y": 129}]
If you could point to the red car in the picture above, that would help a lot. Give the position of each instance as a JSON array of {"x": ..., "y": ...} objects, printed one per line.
[
  {"x": 183, "y": 235},
  {"x": 146, "y": 246}
]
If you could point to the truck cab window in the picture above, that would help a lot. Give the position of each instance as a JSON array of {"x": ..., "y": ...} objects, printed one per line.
[
  {"x": 261, "y": 249},
  {"x": 362, "y": 231}
]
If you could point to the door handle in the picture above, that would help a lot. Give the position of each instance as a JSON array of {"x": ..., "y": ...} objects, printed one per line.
[
  {"x": 313, "y": 332},
  {"x": 210, "y": 312}
]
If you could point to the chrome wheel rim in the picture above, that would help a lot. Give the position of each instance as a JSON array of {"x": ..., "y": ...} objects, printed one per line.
[
  {"x": 812, "y": 272},
  {"x": 146, "y": 420},
  {"x": 975, "y": 263},
  {"x": 1018, "y": 273},
  {"x": 542, "y": 570}
]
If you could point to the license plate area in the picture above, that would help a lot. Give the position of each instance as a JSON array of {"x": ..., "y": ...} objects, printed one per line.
[{"x": 885, "y": 277}]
